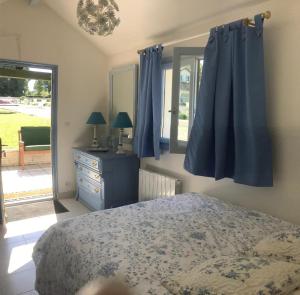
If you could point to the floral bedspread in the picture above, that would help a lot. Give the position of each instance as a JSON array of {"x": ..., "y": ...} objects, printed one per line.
[{"x": 146, "y": 243}]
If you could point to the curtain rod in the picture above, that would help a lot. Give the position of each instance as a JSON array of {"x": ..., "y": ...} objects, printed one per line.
[{"x": 247, "y": 21}]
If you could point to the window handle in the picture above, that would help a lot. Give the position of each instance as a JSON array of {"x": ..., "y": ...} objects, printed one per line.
[{"x": 173, "y": 112}]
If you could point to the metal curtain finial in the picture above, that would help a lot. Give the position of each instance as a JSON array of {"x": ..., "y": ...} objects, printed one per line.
[{"x": 265, "y": 15}]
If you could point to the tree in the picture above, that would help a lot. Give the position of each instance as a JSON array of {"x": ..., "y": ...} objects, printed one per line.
[
  {"x": 42, "y": 88},
  {"x": 26, "y": 88},
  {"x": 15, "y": 87},
  {"x": 11, "y": 87}
]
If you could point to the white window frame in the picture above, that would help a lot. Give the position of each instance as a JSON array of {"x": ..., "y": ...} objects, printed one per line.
[{"x": 179, "y": 146}]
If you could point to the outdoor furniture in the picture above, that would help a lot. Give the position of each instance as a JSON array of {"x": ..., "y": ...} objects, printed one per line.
[{"x": 33, "y": 140}]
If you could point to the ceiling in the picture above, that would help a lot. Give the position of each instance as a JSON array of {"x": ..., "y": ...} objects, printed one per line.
[{"x": 144, "y": 21}]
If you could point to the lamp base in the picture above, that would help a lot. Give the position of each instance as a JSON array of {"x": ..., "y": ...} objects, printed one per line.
[
  {"x": 95, "y": 144},
  {"x": 120, "y": 149}
]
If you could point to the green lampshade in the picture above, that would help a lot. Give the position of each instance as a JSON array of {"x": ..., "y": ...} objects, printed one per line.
[
  {"x": 96, "y": 118},
  {"x": 122, "y": 121}
]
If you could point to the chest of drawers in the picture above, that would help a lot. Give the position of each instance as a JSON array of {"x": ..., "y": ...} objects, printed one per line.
[{"x": 106, "y": 180}]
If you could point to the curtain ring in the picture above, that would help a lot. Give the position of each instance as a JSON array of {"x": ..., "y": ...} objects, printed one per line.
[
  {"x": 212, "y": 35},
  {"x": 259, "y": 22},
  {"x": 244, "y": 32},
  {"x": 226, "y": 32}
]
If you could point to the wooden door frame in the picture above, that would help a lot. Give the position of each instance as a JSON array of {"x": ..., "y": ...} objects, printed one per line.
[{"x": 54, "y": 99}]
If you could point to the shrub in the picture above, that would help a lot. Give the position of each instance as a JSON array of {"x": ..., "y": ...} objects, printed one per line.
[{"x": 183, "y": 116}]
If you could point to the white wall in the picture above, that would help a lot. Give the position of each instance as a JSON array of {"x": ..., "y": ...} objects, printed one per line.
[
  {"x": 282, "y": 43},
  {"x": 82, "y": 85}
]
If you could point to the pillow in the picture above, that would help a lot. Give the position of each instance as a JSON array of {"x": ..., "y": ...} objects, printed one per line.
[
  {"x": 228, "y": 275},
  {"x": 281, "y": 246}
]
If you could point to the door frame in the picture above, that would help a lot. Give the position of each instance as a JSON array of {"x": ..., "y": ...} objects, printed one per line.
[
  {"x": 54, "y": 100},
  {"x": 2, "y": 212}
]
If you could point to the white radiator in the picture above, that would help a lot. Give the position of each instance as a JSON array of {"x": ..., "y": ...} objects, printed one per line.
[{"x": 153, "y": 185}]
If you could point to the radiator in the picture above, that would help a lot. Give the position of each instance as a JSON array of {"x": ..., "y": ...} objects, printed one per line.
[{"x": 154, "y": 185}]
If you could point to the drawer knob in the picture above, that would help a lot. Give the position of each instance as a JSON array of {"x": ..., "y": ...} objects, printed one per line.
[
  {"x": 97, "y": 190},
  {"x": 97, "y": 176},
  {"x": 94, "y": 163}
]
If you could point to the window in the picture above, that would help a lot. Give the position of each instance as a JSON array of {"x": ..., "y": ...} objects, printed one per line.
[
  {"x": 181, "y": 83},
  {"x": 166, "y": 102}
]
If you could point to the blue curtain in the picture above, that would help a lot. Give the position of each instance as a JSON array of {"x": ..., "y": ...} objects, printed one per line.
[
  {"x": 147, "y": 133},
  {"x": 229, "y": 137}
]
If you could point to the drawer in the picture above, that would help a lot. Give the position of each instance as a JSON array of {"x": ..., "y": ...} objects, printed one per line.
[
  {"x": 87, "y": 160},
  {"x": 96, "y": 176},
  {"x": 91, "y": 200},
  {"x": 90, "y": 193},
  {"x": 89, "y": 185}
]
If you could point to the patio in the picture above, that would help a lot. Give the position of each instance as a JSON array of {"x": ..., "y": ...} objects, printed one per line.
[{"x": 33, "y": 181}]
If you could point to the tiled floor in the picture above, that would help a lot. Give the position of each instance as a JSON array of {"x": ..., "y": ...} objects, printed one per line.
[
  {"x": 17, "y": 270},
  {"x": 33, "y": 179},
  {"x": 31, "y": 210}
]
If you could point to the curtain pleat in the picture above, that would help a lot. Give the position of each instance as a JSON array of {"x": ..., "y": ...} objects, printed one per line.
[{"x": 229, "y": 136}]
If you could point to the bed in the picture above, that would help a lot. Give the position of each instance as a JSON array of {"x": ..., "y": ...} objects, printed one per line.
[{"x": 146, "y": 242}]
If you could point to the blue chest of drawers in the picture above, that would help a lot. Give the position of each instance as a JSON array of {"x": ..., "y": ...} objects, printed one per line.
[{"x": 106, "y": 180}]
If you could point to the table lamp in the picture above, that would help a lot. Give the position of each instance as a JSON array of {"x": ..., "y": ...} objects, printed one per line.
[
  {"x": 96, "y": 118},
  {"x": 121, "y": 121}
]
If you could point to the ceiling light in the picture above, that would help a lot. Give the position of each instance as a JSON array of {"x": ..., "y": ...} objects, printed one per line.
[{"x": 98, "y": 19}]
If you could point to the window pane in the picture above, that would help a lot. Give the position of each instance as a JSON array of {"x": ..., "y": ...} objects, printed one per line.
[
  {"x": 199, "y": 66},
  {"x": 186, "y": 93},
  {"x": 187, "y": 69},
  {"x": 167, "y": 101}
]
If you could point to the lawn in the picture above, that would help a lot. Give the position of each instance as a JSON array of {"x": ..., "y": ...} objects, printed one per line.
[{"x": 11, "y": 122}]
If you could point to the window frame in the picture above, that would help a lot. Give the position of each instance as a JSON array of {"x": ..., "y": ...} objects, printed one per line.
[{"x": 179, "y": 146}]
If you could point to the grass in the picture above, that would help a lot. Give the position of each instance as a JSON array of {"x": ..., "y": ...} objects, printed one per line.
[
  {"x": 11, "y": 122},
  {"x": 2, "y": 111}
]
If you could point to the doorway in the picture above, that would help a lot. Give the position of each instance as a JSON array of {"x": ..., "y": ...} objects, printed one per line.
[{"x": 28, "y": 129}]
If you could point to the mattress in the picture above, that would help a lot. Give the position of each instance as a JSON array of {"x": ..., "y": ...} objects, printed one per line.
[{"x": 146, "y": 242}]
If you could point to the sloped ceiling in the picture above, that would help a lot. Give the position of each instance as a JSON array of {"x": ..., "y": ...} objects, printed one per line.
[{"x": 143, "y": 21}]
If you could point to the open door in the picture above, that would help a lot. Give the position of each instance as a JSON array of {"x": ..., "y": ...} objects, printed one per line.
[
  {"x": 32, "y": 107},
  {"x": 2, "y": 213}
]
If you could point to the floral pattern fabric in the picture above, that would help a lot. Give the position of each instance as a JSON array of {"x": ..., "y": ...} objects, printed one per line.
[
  {"x": 283, "y": 246},
  {"x": 146, "y": 242},
  {"x": 230, "y": 275}
]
